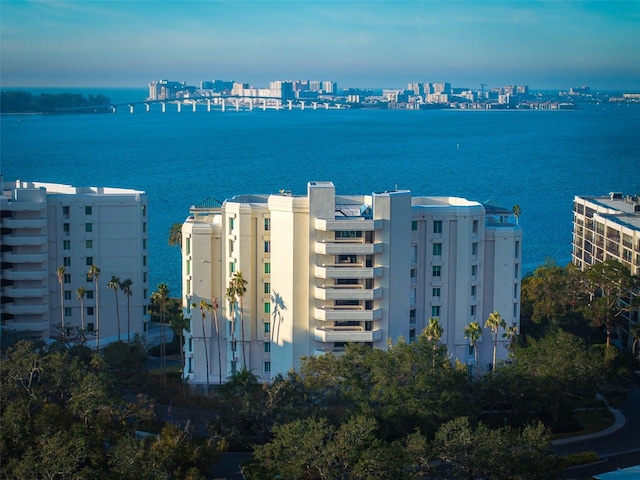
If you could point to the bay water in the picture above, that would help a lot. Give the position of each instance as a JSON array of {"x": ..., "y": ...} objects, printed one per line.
[{"x": 536, "y": 159}]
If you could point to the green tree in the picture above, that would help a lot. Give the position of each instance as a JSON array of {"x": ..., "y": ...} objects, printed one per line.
[
  {"x": 94, "y": 274},
  {"x": 204, "y": 308},
  {"x": 495, "y": 322},
  {"x": 160, "y": 298},
  {"x": 114, "y": 284},
  {"x": 230, "y": 295},
  {"x": 60, "y": 274},
  {"x": 128, "y": 292},
  {"x": 179, "y": 324},
  {"x": 214, "y": 310},
  {"x": 175, "y": 235},
  {"x": 240, "y": 287},
  {"x": 516, "y": 212},
  {"x": 511, "y": 337},
  {"x": 80, "y": 293},
  {"x": 473, "y": 332},
  {"x": 434, "y": 332}
]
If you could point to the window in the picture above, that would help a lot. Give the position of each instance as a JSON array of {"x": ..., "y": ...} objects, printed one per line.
[
  {"x": 267, "y": 347},
  {"x": 474, "y": 270},
  {"x": 267, "y": 308},
  {"x": 414, "y": 274},
  {"x": 412, "y": 296},
  {"x": 65, "y": 211},
  {"x": 232, "y": 267},
  {"x": 89, "y": 261},
  {"x": 515, "y": 291},
  {"x": 267, "y": 246},
  {"x": 144, "y": 261},
  {"x": 144, "y": 243},
  {"x": 188, "y": 245},
  {"x": 188, "y": 286},
  {"x": 66, "y": 244},
  {"x": 435, "y": 292},
  {"x": 412, "y": 316},
  {"x": 473, "y": 291},
  {"x": 267, "y": 327},
  {"x": 437, "y": 249},
  {"x": 414, "y": 254},
  {"x": 267, "y": 224},
  {"x": 470, "y": 351},
  {"x": 267, "y": 367},
  {"x": 144, "y": 277},
  {"x": 144, "y": 210},
  {"x": 89, "y": 278},
  {"x": 436, "y": 270},
  {"x": 516, "y": 271},
  {"x": 231, "y": 223},
  {"x": 472, "y": 312},
  {"x": 67, "y": 261},
  {"x": 88, "y": 227},
  {"x": 517, "y": 248},
  {"x": 188, "y": 267},
  {"x": 144, "y": 293},
  {"x": 144, "y": 227},
  {"x": 474, "y": 249},
  {"x": 89, "y": 294},
  {"x": 66, "y": 228},
  {"x": 267, "y": 287},
  {"x": 267, "y": 267},
  {"x": 435, "y": 311},
  {"x": 90, "y": 327},
  {"x": 88, "y": 244},
  {"x": 87, "y": 210},
  {"x": 437, "y": 226},
  {"x": 67, "y": 294},
  {"x": 414, "y": 225},
  {"x": 515, "y": 310},
  {"x": 474, "y": 228},
  {"x": 412, "y": 335},
  {"x": 230, "y": 247},
  {"x": 89, "y": 310},
  {"x": 67, "y": 278}
]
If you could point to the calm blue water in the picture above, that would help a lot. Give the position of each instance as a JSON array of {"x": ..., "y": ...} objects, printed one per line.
[{"x": 537, "y": 159}]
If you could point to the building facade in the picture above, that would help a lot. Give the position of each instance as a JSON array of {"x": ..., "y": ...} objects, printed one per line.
[
  {"x": 51, "y": 235},
  {"x": 608, "y": 227},
  {"x": 324, "y": 270}
]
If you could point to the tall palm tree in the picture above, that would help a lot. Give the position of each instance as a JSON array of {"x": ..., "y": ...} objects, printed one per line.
[
  {"x": 126, "y": 289},
  {"x": 94, "y": 274},
  {"x": 205, "y": 307},
  {"x": 179, "y": 324},
  {"x": 434, "y": 332},
  {"x": 175, "y": 235},
  {"x": 511, "y": 335},
  {"x": 214, "y": 310},
  {"x": 516, "y": 212},
  {"x": 230, "y": 295},
  {"x": 114, "y": 284},
  {"x": 240, "y": 287},
  {"x": 473, "y": 332},
  {"x": 494, "y": 322},
  {"x": 80, "y": 292},
  {"x": 160, "y": 297},
  {"x": 60, "y": 273}
]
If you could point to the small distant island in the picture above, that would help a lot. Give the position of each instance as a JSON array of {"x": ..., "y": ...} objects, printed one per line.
[{"x": 25, "y": 102}]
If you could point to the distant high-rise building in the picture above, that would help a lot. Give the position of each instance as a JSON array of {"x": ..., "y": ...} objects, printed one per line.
[
  {"x": 324, "y": 270},
  {"x": 165, "y": 90},
  {"x": 49, "y": 226}
]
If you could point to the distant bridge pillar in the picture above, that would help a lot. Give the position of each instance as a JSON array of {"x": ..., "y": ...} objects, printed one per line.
[
  {"x": 208, "y": 104},
  {"x": 290, "y": 104},
  {"x": 278, "y": 105},
  {"x": 237, "y": 104},
  {"x": 164, "y": 107},
  {"x": 194, "y": 105},
  {"x": 302, "y": 105},
  {"x": 251, "y": 104},
  {"x": 179, "y": 106},
  {"x": 113, "y": 109},
  {"x": 326, "y": 106},
  {"x": 131, "y": 108},
  {"x": 223, "y": 105},
  {"x": 264, "y": 104},
  {"x": 148, "y": 107},
  {"x": 315, "y": 105}
]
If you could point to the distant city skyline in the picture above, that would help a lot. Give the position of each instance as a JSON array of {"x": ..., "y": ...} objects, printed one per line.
[{"x": 375, "y": 44}]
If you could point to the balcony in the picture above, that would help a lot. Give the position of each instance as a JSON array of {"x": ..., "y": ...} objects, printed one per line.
[
  {"x": 24, "y": 222},
  {"x": 346, "y": 334},
  {"x": 350, "y": 247},
  {"x": 27, "y": 326},
  {"x": 17, "y": 240},
  {"x": 25, "y": 275},
  {"x": 350, "y": 270},
  {"x": 39, "y": 309},
  {"x": 347, "y": 292},
  {"x": 28, "y": 206},
  {"x": 24, "y": 257},
  {"x": 37, "y": 292},
  {"x": 348, "y": 223},
  {"x": 347, "y": 314}
]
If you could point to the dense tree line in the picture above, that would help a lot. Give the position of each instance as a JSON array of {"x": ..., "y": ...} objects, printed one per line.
[{"x": 25, "y": 102}]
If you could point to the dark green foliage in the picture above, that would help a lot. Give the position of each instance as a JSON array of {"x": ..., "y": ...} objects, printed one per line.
[{"x": 24, "y": 102}]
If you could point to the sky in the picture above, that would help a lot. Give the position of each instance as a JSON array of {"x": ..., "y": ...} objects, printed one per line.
[{"x": 372, "y": 44}]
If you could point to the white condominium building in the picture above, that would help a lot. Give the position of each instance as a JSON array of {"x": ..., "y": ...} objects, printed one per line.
[
  {"x": 608, "y": 227},
  {"x": 324, "y": 270},
  {"x": 50, "y": 229}
]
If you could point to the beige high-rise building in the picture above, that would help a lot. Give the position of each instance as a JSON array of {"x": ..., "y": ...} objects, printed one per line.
[
  {"x": 49, "y": 226},
  {"x": 323, "y": 270}
]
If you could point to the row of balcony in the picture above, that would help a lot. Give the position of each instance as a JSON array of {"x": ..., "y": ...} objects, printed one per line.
[
  {"x": 11, "y": 257},
  {"x": 36, "y": 292},
  {"x": 343, "y": 314},
  {"x": 348, "y": 248},
  {"x": 346, "y": 334},
  {"x": 36, "y": 309},
  {"x": 27, "y": 326},
  {"x": 347, "y": 270},
  {"x": 347, "y": 292},
  {"x": 16, "y": 223},
  {"x": 348, "y": 223},
  {"x": 15, "y": 275}
]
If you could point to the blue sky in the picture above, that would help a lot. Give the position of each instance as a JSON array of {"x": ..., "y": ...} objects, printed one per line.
[{"x": 546, "y": 45}]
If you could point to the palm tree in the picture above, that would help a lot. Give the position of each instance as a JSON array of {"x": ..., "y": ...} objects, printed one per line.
[
  {"x": 473, "y": 332},
  {"x": 160, "y": 297},
  {"x": 205, "y": 307},
  {"x": 240, "y": 287},
  {"x": 511, "y": 334},
  {"x": 175, "y": 235},
  {"x": 214, "y": 309},
  {"x": 494, "y": 322},
  {"x": 80, "y": 292},
  {"x": 516, "y": 212},
  {"x": 94, "y": 273},
  {"x": 179, "y": 324},
  {"x": 114, "y": 284},
  {"x": 126, "y": 289},
  {"x": 434, "y": 332},
  {"x": 60, "y": 274},
  {"x": 230, "y": 295}
]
